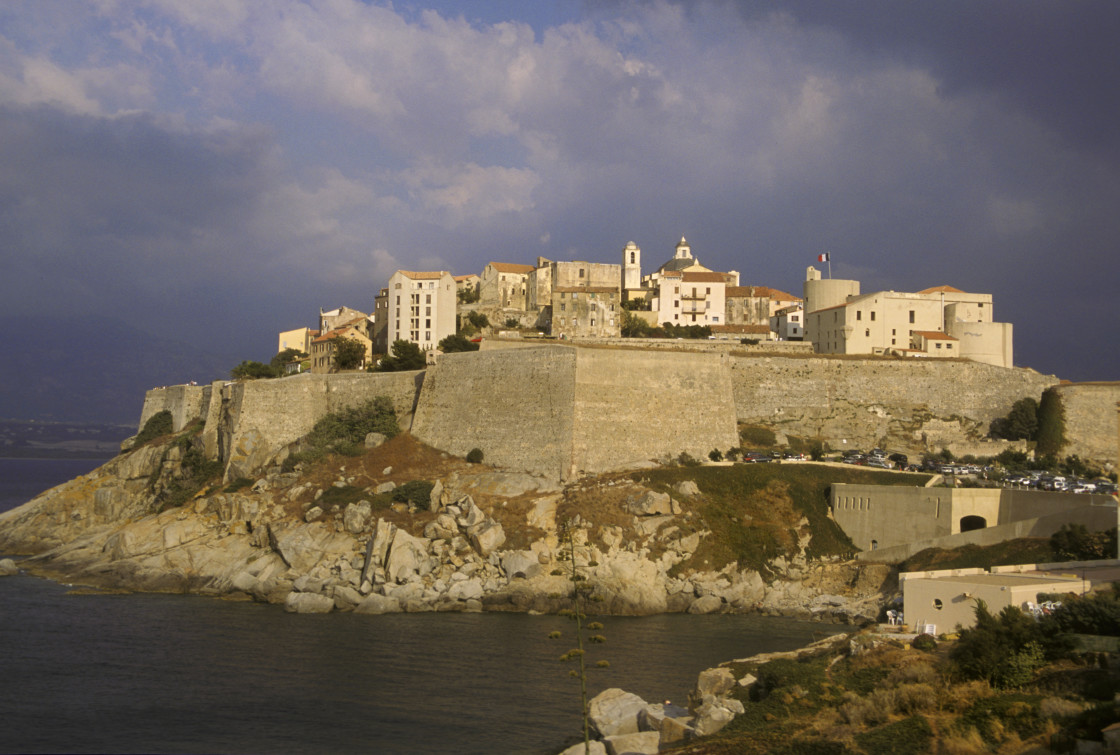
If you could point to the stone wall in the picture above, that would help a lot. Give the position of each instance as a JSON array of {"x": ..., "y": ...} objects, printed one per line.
[
  {"x": 516, "y": 405},
  {"x": 1091, "y": 421},
  {"x": 185, "y": 402},
  {"x": 636, "y": 406},
  {"x": 260, "y": 417},
  {"x": 901, "y": 404}
]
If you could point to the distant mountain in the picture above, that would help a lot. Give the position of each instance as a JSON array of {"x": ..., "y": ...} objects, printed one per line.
[{"x": 91, "y": 369}]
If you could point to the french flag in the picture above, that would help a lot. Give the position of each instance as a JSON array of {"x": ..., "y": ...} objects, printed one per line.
[{"x": 822, "y": 257}]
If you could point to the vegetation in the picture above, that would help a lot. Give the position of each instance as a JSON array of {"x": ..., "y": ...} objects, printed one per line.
[
  {"x": 633, "y": 326},
  {"x": 344, "y": 432},
  {"x": 1051, "y": 434},
  {"x": 634, "y": 305},
  {"x": 512, "y": 322},
  {"x": 1021, "y": 423},
  {"x": 1074, "y": 542},
  {"x": 159, "y": 424},
  {"x": 474, "y": 456},
  {"x": 582, "y": 593},
  {"x": 416, "y": 492},
  {"x": 457, "y": 342},
  {"x": 405, "y": 356},
  {"x": 475, "y": 322},
  {"x": 468, "y": 295},
  {"x": 349, "y": 353},
  {"x": 757, "y": 436},
  {"x": 284, "y": 357},
  {"x": 249, "y": 370}
]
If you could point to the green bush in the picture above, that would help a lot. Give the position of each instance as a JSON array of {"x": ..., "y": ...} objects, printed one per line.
[
  {"x": 249, "y": 370},
  {"x": 757, "y": 436},
  {"x": 159, "y": 424},
  {"x": 1051, "y": 433},
  {"x": 418, "y": 492},
  {"x": 910, "y": 735},
  {"x": 924, "y": 642},
  {"x": 474, "y": 456},
  {"x": 345, "y": 432},
  {"x": 405, "y": 356},
  {"x": 457, "y": 342},
  {"x": 715, "y": 455}
]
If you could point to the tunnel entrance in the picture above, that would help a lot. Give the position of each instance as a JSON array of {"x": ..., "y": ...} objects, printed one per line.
[{"x": 973, "y": 522}]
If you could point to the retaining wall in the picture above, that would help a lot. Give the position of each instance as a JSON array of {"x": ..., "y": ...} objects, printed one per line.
[
  {"x": 1091, "y": 421},
  {"x": 185, "y": 402}
]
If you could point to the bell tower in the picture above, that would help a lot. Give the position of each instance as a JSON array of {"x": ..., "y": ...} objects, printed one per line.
[{"x": 631, "y": 267}]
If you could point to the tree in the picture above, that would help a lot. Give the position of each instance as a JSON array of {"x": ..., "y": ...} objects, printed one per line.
[
  {"x": 1021, "y": 423},
  {"x": 1051, "y": 434},
  {"x": 249, "y": 370},
  {"x": 405, "y": 356},
  {"x": 632, "y": 305},
  {"x": 457, "y": 342},
  {"x": 468, "y": 295},
  {"x": 349, "y": 353},
  {"x": 478, "y": 319},
  {"x": 285, "y": 356},
  {"x": 633, "y": 326}
]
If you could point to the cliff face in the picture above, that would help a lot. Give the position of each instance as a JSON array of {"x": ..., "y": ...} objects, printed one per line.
[{"x": 484, "y": 540}]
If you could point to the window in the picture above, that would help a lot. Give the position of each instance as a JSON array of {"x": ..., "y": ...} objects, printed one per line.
[
  {"x": 939, "y": 346},
  {"x": 715, "y": 318},
  {"x": 562, "y": 306},
  {"x": 859, "y": 315},
  {"x": 872, "y": 316},
  {"x": 398, "y": 299},
  {"x": 911, "y": 315},
  {"x": 707, "y": 289},
  {"x": 428, "y": 311},
  {"x": 892, "y": 332},
  {"x": 867, "y": 333},
  {"x": 593, "y": 322},
  {"x": 676, "y": 302},
  {"x": 581, "y": 272},
  {"x": 948, "y": 345},
  {"x": 427, "y": 323},
  {"x": 427, "y": 298}
]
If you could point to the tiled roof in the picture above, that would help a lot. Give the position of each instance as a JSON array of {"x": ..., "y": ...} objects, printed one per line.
[
  {"x": 942, "y": 290},
  {"x": 934, "y": 335},
  {"x": 760, "y": 291},
  {"x": 510, "y": 267},
  {"x": 430, "y": 275},
  {"x": 461, "y": 278}
]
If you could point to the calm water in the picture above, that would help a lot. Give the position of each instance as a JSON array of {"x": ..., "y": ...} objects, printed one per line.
[{"x": 155, "y": 673}]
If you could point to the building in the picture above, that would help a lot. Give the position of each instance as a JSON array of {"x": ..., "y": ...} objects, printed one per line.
[
  {"x": 324, "y": 348},
  {"x": 690, "y": 298},
  {"x": 336, "y": 318},
  {"x": 379, "y": 323},
  {"x": 788, "y": 323},
  {"x": 937, "y": 322},
  {"x": 298, "y": 339},
  {"x": 421, "y": 307},
  {"x": 504, "y": 285},
  {"x": 585, "y": 299}
]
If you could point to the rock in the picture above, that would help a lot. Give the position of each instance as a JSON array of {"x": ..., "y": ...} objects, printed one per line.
[
  {"x": 671, "y": 722},
  {"x": 303, "y": 546},
  {"x": 488, "y": 538},
  {"x": 506, "y": 484},
  {"x": 470, "y": 589},
  {"x": 748, "y": 680},
  {"x": 543, "y": 514},
  {"x": 521, "y": 564},
  {"x": 615, "y": 711},
  {"x": 638, "y": 743},
  {"x": 408, "y": 556},
  {"x": 711, "y": 718},
  {"x": 373, "y": 440},
  {"x": 378, "y": 604},
  {"x": 312, "y": 514},
  {"x": 650, "y": 503},
  {"x": 306, "y": 602},
  {"x": 8, "y": 567},
  {"x": 435, "y": 496},
  {"x": 649, "y": 525},
  {"x": 471, "y": 515},
  {"x": 594, "y": 747},
  {"x": 356, "y": 517},
  {"x": 706, "y": 604},
  {"x": 714, "y": 681},
  {"x": 346, "y": 597},
  {"x": 385, "y": 487},
  {"x": 687, "y": 488}
]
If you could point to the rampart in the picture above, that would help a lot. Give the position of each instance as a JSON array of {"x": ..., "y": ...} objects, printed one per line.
[
  {"x": 903, "y": 404},
  {"x": 1091, "y": 420},
  {"x": 516, "y": 405},
  {"x": 260, "y": 417},
  {"x": 563, "y": 410}
]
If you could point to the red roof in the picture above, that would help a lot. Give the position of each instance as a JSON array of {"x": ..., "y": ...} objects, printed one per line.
[
  {"x": 703, "y": 277},
  {"x": 434, "y": 275},
  {"x": 942, "y": 290},
  {"x": 510, "y": 267},
  {"x": 934, "y": 335}
]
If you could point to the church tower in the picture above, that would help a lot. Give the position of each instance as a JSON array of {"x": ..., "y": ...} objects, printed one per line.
[
  {"x": 631, "y": 267},
  {"x": 684, "y": 251}
]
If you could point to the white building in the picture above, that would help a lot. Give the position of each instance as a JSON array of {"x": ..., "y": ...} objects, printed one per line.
[
  {"x": 690, "y": 298},
  {"x": 421, "y": 307}
]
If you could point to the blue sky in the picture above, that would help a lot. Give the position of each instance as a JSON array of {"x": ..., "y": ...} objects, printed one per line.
[{"x": 215, "y": 171}]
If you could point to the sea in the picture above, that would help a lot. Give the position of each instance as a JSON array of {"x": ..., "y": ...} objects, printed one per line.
[{"x": 90, "y": 672}]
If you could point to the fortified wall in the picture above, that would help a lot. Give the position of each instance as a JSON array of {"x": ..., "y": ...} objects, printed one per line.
[
  {"x": 561, "y": 410},
  {"x": 901, "y": 404},
  {"x": 1092, "y": 425}
]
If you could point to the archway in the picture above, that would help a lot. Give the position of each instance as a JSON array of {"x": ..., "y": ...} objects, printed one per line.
[{"x": 973, "y": 522}]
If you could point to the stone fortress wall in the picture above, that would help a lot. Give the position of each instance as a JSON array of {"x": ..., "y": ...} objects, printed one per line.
[
  {"x": 1092, "y": 425},
  {"x": 561, "y": 410}
]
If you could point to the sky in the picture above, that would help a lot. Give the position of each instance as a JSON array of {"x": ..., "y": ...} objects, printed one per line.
[{"x": 216, "y": 171}]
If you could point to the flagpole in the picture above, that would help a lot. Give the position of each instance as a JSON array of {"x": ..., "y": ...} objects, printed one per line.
[{"x": 829, "y": 255}]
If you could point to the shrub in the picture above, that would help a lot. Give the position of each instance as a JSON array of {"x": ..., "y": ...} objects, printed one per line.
[
  {"x": 457, "y": 342},
  {"x": 1051, "y": 431},
  {"x": 418, "y": 492},
  {"x": 405, "y": 356},
  {"x": 345, "y": 431},
  {"x": 158, "y": 425},
  {"x": 474, "y": 456},
  {"x": 715, "y": 455},
  {"x": 758, "y": 436},
  {"x": 249, "y": 370},
  {"x": 924, "y": 642},
  {"x": 478, "y": 320},
  {"x": 686, "y": 460},
  {"x": 911, "y": 734},
  {"x": 349, "y": 353}
]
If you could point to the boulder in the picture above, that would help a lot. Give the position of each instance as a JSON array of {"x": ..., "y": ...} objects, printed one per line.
[
  {"x": 346, "y": 597},
  {"x": 687, "y": 488},
  {"x": 710, "y": 718},
  {"x": 615, "y": 711},
  {"x": 714, "y": 681},
  {"x": 671, "y": 722},
  {"x": 638, "y": 743},
  {"x": 306, "y": 602},
  {"x": 408, "y": 556},
  {"x": 521, "y": 564},
  {"x": 650, "y": 503},
  {"x": 488, "y": 538},
  {"x": 435, "y": 496},
  {"x": 594, "y": 747},
  {"x": 303, "y": 546},
  {"x": 471, "y": 515},
  {"x": 706, "y": 604},
  {"x": 373, "y": 440},
  {"x": 377, "y": 604},
  {"x": 356, "y": 516},
  {"x": 470, "y": 589},
  {"x": 8, "y": 567}
]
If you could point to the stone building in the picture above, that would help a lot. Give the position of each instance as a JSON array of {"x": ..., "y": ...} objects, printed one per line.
[
  {"x": 421, "y": 307},
  {"x": 585, "y": 299},
  {"x": 336, "y": 318},
  {"x": 379, "y": 323},
  {"x": 504, "y": 285},
  {"x": 937, "y": 322}
]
